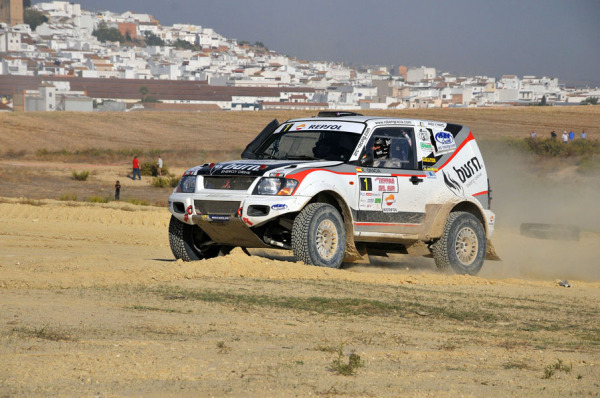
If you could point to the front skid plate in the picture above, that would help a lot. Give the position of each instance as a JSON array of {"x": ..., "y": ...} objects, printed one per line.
[{"x": 229, "y": 233}]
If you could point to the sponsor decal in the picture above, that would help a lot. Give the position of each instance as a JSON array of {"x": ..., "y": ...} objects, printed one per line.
[
  {"x": 426, "y": 146},
  {"x": 377, "y": 200},
  {"x": 300, "y": 126},
  {"x": 360, "y": 144},
  {"x": 429, "y": 160},
  {"x": 444, "y": 141},
  {"x": 246, "y": 221},
  {"x": 453, "y": 185},
  {"x": 401, "y": 122},
  {"x": 434, "y": 169},
  {"x": 325, "y": 127},
  {"x": 389, "y": 202},
  {"x": 430, "y": 174},
  {"x": 379, "y": 184},
  {"x": 436, "y": 124},
  {"x": 219, "y": 218},
  {"x": 468, "y": 170},
  {"x": 279, "y": 206},
  {"x": 423, "y": 135},
  {"x": 359, "y": 169},
  {"x": 236, "y": 168},
  {"x": 371, "y": 170}
]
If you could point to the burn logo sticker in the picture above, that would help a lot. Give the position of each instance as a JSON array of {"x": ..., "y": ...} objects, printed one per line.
[{"x": 452, "y": 185}]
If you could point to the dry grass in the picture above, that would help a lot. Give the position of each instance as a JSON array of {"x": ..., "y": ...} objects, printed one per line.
[{"x": 197, "y": 132}]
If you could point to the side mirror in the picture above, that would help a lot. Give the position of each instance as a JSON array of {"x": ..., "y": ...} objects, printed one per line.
[{"x": 366, "y": 160}]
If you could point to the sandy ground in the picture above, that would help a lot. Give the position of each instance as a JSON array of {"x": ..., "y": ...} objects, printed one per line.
[{"x": 93, "y": 304}]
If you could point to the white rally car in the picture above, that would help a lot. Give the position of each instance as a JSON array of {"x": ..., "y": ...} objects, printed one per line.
[{"x": 336, "y": 187}]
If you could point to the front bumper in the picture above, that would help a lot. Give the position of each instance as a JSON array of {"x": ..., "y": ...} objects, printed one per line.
[{"x": 229, "y": 218}]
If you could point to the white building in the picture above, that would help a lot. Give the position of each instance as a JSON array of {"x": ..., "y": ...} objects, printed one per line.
[{"x": 414, "y": 75}]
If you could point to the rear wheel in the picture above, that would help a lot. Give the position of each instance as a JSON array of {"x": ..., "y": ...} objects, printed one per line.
[
  {"x": 190, "y": 243},
  {"x": 318, "y": 236},
  {"x": 462, "y": 245}
]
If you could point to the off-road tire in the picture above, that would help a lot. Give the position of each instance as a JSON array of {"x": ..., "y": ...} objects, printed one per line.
[
  {"x": 462, "y": 245},
  {"x": 186, "y": 241},
  {"x": 318, "y": 236}
]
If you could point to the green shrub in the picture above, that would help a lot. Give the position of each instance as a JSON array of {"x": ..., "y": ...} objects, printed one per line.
[
  {"x": 556, "y": 148},
  {"x": 10, "y": 154},
  {"x": 340, "y": 367},
  {"x": 68, "y": 197},
  {"x": 138, "y": 202},
  {"x": 98, "y": 199},
  {"x": 150, "y": 169},
  {"x": 164, "y": 182},
  {"x": 81, "y": 176}
]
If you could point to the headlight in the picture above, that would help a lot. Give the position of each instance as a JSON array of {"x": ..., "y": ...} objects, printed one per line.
[
  {"x": 187, "y": 184},
  {"x": 276, "y": 186}
]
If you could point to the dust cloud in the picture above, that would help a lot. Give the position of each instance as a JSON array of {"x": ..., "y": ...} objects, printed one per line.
[{"x": 526, "y": 190}]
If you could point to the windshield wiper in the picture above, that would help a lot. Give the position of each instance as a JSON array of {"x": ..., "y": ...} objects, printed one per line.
[
  {"x": 299, "y": 157},
  {"x": 267, "y": 156}
]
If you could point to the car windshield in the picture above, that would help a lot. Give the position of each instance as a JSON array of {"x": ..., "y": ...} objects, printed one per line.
[{"x": 309, "y": 145}]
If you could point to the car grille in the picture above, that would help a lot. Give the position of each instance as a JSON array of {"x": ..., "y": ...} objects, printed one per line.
[
  {"x": 221, "y": 207},
  {"x": 233, "y": 183}
]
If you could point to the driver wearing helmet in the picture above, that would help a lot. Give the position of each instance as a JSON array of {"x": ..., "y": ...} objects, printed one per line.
[{"x": 381, "y": 150}]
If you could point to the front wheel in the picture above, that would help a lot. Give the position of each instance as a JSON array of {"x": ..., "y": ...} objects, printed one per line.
[
  {"x": 318, "y": 236},
  {"x": 190, "y": 243},
  {"x": 462, "y": 245}
]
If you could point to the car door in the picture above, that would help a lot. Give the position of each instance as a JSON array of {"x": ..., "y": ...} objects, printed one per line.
[{"x": 393, "y": 191}]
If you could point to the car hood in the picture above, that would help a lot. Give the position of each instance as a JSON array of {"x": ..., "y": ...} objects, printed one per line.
[{"x": 256, "y": 168}]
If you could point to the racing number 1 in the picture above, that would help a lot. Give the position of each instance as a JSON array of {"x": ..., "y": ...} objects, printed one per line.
[{"x": 365, "y": 184}]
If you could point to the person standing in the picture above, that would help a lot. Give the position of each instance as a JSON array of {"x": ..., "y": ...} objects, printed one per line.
[
  {"x": 571, "y": 135},
  {"x": 117, "y": 190},
  {"x": 533, "y": 134},
  {"x": 583, "y": 135},
  {"x": 136, "y": 168},
  {"x": 553, "y": 135},
  {"x": 159, "y": 166},
  {"x": 565, "y": 137}
]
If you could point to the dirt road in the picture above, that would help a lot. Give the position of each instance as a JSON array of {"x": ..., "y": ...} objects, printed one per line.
[{"x": 93, "y": 304}]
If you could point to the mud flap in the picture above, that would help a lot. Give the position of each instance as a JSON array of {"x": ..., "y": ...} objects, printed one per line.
[{"x": 490, "y": 252}]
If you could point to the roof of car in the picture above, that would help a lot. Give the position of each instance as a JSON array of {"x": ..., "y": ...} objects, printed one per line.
[{"x": 361, "y": 119}]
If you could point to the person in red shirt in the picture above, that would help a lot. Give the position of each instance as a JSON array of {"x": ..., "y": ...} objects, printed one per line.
[{"x": 136, "y": 168}]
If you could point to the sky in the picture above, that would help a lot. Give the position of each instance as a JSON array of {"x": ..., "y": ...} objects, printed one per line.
[{"x": 554, "y": 38}]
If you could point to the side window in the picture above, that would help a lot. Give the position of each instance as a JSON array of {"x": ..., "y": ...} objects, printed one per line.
[{"x": 391, "y": 147}]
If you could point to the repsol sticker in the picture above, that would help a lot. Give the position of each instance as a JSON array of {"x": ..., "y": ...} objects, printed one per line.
[
  {"x": 333, "y": 126},
  {"x": 389, "y": 203}
]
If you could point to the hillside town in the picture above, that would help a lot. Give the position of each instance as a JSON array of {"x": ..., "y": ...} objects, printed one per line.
[{"x": 62, "y": 65}]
